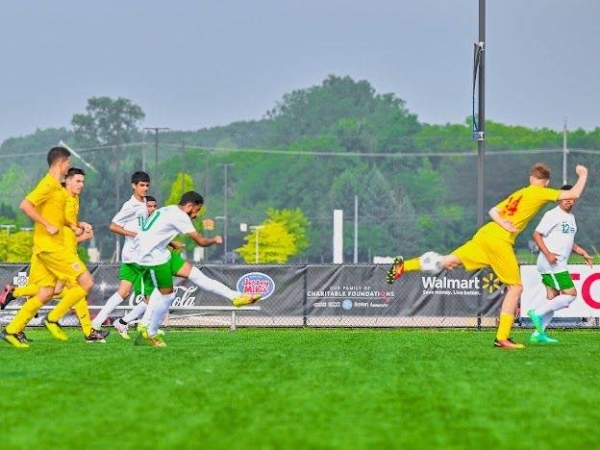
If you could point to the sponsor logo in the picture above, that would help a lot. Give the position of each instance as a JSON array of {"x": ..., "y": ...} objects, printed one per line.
[
  {"x": 347, "y": 304},
  {"x": 319, "y": 304},
  {"x": 491, "y": 282},
  {"x": 588, "y": 290},
  {"x": 21, "y": 279},
  {"x": 256, "y": 283}
]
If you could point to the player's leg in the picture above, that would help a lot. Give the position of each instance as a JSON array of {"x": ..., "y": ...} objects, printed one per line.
[
  {"x": 142, "y": 287},
  {"x": 128, "y": 274},
  {"x": 561, "y": 293},
  {"x": 192, "y": 273},
  {"x": 162, "y": 297}
]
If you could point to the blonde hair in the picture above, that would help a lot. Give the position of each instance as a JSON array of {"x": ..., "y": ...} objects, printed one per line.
[{"x": 540, "y": 171}]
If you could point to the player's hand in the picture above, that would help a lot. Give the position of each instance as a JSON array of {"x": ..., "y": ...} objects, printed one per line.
[
  {"x": 218, "y": 240},
  {"x": 581, "y": 170},
  {"x": 176, "y": 245},
  {"x": 86, "y": 227},
  {"x": 588, "y": 260},
  {"x": 51, "y": 229},
  {"x": 551, "y": 257}
]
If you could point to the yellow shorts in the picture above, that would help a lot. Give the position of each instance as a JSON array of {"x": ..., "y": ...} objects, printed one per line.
[
  {"x": 488, "y": 251},
  {"x": 36, "y": 272},
  {"x": 50, "y": 267}
]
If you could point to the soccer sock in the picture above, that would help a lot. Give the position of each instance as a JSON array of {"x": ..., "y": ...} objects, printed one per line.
[
  {"x": 83, "y": 313},
  {"x": 137, "y": 311},
  {"x": 504, "y": 327},
  {"x": 114, "y": 301},
  {"x": 154, "y": 298},
  {"x": 546, "y": 319},
  {"x": 29, "y": 290},
  {"x": 558, "y": 302},
  {"x": 159, "y": 312},
  {"x": 210, "y": 285},
  {"x": 412, "y": 265},
  {"x": 24, "y": 315},
  {"x": 72, "y": 296}
]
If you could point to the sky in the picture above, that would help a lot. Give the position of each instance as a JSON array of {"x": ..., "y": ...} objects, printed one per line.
[{"x": 192, "y": 64}]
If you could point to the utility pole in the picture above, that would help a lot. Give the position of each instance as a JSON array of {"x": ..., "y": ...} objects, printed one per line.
[
  {"x": 182, "y": 165},
  {"x": 565, "y": 152},
  {"x": 479, "y": 133},
  {"x": 156, "y": 131}
]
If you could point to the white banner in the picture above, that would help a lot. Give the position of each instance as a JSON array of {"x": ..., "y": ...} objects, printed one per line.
[{"x": 587, "y": 283}]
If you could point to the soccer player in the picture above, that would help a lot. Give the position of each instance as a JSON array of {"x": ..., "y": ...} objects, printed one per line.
[
  {"x": 127, "y": 222},
  {"x": 555, "y": 236},
  {"x": 493, "y": 244},
  {"x": 154, "y": 257},
  {"x": 45, "y": 205}
]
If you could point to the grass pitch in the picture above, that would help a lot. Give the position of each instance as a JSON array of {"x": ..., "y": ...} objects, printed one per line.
[{"x": 307, "y": 388}]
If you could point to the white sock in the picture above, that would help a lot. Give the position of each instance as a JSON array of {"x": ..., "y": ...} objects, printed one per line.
[
  {"x": 114, "y": 301},
  {"x": 210, "y": 285},
  {"x": 558, "y": 302},
  {"x": 546, "y": 319},
  {"x": 137, "y": 311},
  {"x": 159, "y": 312},
  {"x": 154, "y": 297}
]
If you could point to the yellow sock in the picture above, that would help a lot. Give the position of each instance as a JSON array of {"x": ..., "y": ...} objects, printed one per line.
[
  {"x": 71, "y": 296},
  {"x": 29, "y": 290},
  {"x": 83, "y": 313},
  {"x": 412, "y": 265},
  {"x": 505, "y": 326},
  {"x": 24, "y": 315}
]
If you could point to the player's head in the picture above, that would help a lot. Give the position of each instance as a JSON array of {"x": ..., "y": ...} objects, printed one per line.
[
  {"x": 539, "y": 174},
  {"x": 59, "y": 157},
  {"x": 151, "y": 204},
  {"x": 566, "y": 205},
  {"x": 74, "y": 180},
  {"x": 140, "y": 183},
  {"x": 191, "y": 203}
]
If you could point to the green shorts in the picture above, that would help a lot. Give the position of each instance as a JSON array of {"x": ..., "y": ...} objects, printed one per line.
[
  {"x": 559, "y": 281},
  {"x": 161, "y": 275}
]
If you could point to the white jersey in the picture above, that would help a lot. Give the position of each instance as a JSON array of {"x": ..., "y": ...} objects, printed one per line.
[
  {"x": 132, "y": 215},
  {"x": 160, "y": 229},
  {"x": 558, "y": 229}
]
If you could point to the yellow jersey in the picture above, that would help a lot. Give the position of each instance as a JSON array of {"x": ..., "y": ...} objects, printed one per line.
[
  {"x": 520, "y": 207},
  {"x": 71, "y": 215},
  {"x": 49, "y": 200}
]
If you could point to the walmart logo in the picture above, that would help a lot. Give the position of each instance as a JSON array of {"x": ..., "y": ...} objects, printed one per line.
[{"x": 491, "y": 282}]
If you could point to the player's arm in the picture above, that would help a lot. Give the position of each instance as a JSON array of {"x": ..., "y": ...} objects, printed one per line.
[
  {"x": 29, "y": 209},
  {"x": 575, "y": 192},
  {"x": 538, "y": 238},
  {"x": 118, "y": 229},
  {"x": 203, "y": 241},
  {"x": 504, "y": 223},
  {"x": 579, "y": 250}
]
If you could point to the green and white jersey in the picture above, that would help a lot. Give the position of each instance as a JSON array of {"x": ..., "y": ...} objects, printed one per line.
[
  {"x": 161, "y": 228},
  {"x": 558, "y": 229},
  {"x": 132, "y": 216}
]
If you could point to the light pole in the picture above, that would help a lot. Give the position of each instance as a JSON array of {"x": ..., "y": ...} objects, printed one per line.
[
  {"x": 156, "y": 131},
  {"x": 226, "y": 167},
  {"x": 7, "y": 228},
  {"x": 256, "y": 228}
]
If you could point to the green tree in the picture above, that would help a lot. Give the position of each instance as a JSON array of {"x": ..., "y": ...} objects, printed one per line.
[
  {"x": 268, "y": 243},
  {"x": 15, "y": 246},
  {"x": 183, "y": 183},
  {"x": 296, "y": 224}
]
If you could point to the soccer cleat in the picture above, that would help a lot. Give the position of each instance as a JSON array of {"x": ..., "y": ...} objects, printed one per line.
[
  {"x": 142, "y": 335},
  {"x": 55, "y": 330},
  {"x": 16, "y": 340},
  {"x": 157, "y": 340},
  {"x": 97, "y": 336},
  {"x": 536, "y": 320},
  {"x": 396, "y": 270},
  {"x": 6, "y": 296},
  {"x": 508, "y": 343},
  {"x": 122, "y": 329},
  {"x": 543, "y": 338},
  {"x": 246, "y": 299},
  {"x": 21, "y": 337}
]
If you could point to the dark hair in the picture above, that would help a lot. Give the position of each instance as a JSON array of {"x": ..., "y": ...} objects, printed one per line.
[
  {"x": 149, "y": 198},
  {"x": 56, "y": 154},
  {"x": 566, "y": 187},
  {"x": 74, "y": 171},
  {"x": 191, "y": 197},
  {"x": 140, "y": 176}
]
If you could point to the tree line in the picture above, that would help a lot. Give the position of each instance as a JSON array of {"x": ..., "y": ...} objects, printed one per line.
[{"x": 313, "y": 152}]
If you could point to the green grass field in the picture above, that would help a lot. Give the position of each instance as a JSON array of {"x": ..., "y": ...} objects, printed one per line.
[{"x": 279, "y": 388}]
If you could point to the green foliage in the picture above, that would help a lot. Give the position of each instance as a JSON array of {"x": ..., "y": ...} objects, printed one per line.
[
  {"x": 269, "y": 243},
  {"x": 183, "y": 183},
  {"x": 15, "y": 246},
  {"x": 295, "y": 223}
]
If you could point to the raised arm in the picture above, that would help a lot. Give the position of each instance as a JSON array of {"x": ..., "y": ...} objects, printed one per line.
[{"x": 575, "y": 192}]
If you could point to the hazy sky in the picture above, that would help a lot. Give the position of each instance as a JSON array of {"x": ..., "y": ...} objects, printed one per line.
[{"x": 192, "y": 64}]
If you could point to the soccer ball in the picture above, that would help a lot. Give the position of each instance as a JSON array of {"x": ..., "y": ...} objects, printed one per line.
[{"x": 431, "y": 262}]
